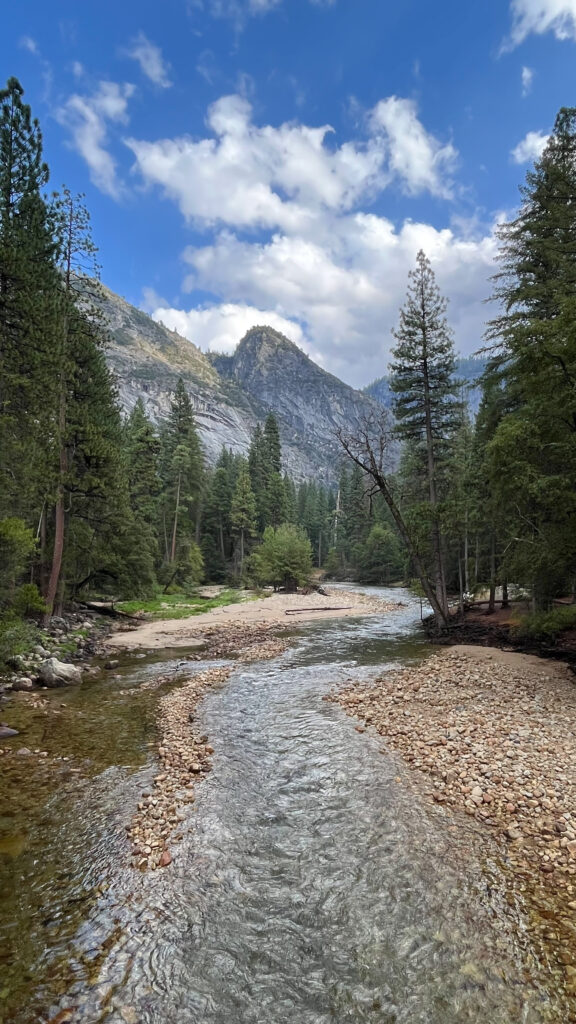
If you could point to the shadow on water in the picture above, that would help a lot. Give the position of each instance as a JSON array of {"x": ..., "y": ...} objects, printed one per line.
[{"x": 315, "y": 885}]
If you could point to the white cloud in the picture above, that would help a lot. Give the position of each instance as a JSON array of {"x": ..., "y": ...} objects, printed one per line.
[
  {"x": 239, "y": 10},
  {"x": 290, "y": 239},
  {"x": 541, "y": 16},
  {"x": 417, "y": 159},
  {"x": 346, "y": 292},
  {"x": 149, "y": 57},
  {"x": 27, "y": 43},
  {"x": 218, "y": 328},
  {"x": 527, "y": 80},
  {"x": 266, "y": 177},
  {"x": 87, "y": 119},
  {"x": 529, "y": 148}
]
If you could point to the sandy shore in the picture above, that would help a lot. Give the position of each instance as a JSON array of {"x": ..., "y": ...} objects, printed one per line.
[{"x": 269, "y": 611}]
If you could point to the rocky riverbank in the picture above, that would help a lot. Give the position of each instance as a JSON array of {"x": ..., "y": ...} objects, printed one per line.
[
  {"x": 495, "y": 734},
  {"x": 185, "y": 757}
]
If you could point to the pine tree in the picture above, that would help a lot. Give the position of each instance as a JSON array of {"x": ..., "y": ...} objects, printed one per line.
[
  {"x": 273, "y": 447},
  {"x": 71, "y": 331},
  {"x": 426, "y": 404},
  {"x": 28, "y": 281},
  {"x": 142, "y": 453},
  {"x": 243, "y": 514},
  {"x": 532, "y": 455},
  {"x": 182, "y": 475}
]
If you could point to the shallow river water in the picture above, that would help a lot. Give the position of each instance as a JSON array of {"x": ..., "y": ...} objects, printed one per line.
[{"x": 316, "y": 882}]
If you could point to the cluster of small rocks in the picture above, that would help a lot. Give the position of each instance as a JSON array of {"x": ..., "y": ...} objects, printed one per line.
[
  {"x": 75, "y": 637},
  {"x": 497, "y": 741},
  {"x": 184, "y": 760},
  {"x": 243, "y": 641}
]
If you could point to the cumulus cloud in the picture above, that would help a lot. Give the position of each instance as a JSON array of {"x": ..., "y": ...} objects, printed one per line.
[
  {"x": 541, "y": 16},
  {"x": 527, "y": 79},
  {"x": 529, "y": 148},
  {"x": 416, "y": 158},
  {"x": 219, "y": 327},
  {"x": 87, "y": 119},
  {"x": 254, "y": 176},
  {"x": 346, "y": 292},
  {"x": 291, "y": 240},
  {"x": 149, "y": 57}
]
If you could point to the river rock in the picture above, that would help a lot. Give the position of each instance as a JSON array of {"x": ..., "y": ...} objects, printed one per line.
[
  {"x": 6, "y": 732},
  {"x": 58, "y": 623},
  {"x": 41, "y": 651},
  {"x": 23, "y": 684},
  {"x": 58, "y": 673}
]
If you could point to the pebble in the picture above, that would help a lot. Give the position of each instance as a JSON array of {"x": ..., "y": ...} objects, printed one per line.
[{"x": 496, "y": 740}]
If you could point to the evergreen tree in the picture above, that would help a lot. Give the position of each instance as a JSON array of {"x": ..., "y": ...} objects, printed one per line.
[
  {"x": 182, "y": 475},
  {"x": 28, "y": 283},
  {"x": 532, "y": 455},
  {"x": 243, "y": 515},
  {"x": 426, "y": 404},
  {"x": 273, "y": 447}
]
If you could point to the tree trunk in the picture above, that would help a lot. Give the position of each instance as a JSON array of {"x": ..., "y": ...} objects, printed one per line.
[
  {"x": 175, "y": 529},
  {"x": 440, "y": 612},
  {"x": 492, "y": 598},
  {"x": 466, "y": 556},
  {"x": 439, "y": 575},
  {"x": 461, "y": 584},
  {"x": 505, "y": 599},
  {"x": 59, "y": 517}
]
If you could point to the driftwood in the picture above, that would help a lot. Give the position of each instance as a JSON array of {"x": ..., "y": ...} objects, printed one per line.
[
  {"x": 107, "y": 608},
  {"x": 296, "y": 611}
]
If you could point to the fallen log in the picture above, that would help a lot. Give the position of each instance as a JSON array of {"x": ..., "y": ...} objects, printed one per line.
[{"x": 107, "y": 608}]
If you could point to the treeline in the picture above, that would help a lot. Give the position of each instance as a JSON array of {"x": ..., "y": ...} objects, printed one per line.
[
  {"x": 490, "y": 503},
  {"x": 93, "y": 503}
]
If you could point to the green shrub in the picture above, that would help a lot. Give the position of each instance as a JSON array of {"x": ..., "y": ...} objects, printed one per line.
[
  {"x": 546, "y": 625},
  {"x": 16, "y": 637},
  {"x": 27, "y": 601}
]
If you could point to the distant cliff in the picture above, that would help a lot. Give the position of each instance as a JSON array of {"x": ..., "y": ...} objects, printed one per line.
[{"x": 231, "y": 394}]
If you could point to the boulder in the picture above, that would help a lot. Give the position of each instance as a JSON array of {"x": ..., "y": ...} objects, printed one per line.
[
  {"x": 57, "y": 622},
  {"x": 6, "y": 732},
  {"x": 23, "y": 684},
  {"x": 57, "y": 673}
]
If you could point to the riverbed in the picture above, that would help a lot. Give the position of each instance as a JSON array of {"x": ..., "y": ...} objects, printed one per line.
[{"x": 315, "y": 882}]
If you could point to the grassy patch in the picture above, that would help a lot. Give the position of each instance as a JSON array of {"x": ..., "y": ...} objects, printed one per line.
[
  {"x": 179, "y": 606},
  {"x": 546, "y": 625}
]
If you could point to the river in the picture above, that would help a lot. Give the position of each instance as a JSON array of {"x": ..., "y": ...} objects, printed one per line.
[{"x": 316, "y": 882}]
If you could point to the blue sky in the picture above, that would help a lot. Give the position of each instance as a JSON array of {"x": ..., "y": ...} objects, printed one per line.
[{"x": 282, "y": 161}]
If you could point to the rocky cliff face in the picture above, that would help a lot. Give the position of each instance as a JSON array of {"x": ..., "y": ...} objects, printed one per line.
[{"x": 230, "y": 394}]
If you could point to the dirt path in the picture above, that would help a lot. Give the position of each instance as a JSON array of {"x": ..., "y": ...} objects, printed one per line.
[{"x": 268, "y": 611}]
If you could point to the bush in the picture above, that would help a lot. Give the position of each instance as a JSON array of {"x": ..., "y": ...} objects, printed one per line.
[
  {"x": 27, "y": 601},
  {"x": 16, "y": 637},
  {"x": 17, "y": 543},
  {"x": 546, "y": 625},
  {"x": 283, "y": 559}
]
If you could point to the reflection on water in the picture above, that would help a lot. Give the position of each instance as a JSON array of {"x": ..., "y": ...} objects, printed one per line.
[{"x": 314, "y": 886}]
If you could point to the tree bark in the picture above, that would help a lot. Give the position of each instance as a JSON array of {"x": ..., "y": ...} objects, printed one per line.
[{"x": 175, "y": 529}]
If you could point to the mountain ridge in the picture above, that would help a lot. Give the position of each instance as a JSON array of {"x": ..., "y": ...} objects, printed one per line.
[{"x": 230, "y": 394}]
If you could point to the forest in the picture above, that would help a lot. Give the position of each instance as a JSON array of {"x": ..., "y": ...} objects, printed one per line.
[{"x": 93, "y": 502}]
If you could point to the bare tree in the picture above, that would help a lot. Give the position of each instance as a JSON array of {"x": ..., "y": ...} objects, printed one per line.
[{"x": 370, "y": 448}]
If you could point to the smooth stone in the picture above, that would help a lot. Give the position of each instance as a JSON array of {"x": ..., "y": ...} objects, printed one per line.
[{"x": 54, "y": 673}]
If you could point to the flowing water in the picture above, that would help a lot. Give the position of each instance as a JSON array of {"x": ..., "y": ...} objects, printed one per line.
[{"x": 316, "y": 883}]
